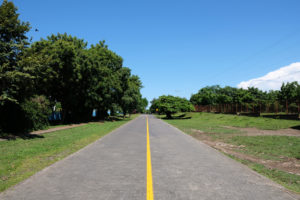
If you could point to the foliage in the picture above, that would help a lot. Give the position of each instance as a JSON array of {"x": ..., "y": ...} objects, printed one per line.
[
  {"x": 213, "y": 95},
  {"x": 170, "y": 105},
  {"x": 62, "y": 69},
  {"x": 288, "y": 92},
  {"x": 12, "y": 41},
  {"x": 142, "y": 105},
  {"x": 15, "y": 81},
  {"x": 36, "y": 111}
]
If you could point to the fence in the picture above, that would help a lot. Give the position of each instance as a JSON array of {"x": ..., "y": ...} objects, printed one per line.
[{"x": 251, "y": 108}]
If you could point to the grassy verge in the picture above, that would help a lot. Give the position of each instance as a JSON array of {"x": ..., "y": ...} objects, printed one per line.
[
  {"x": 208, "y": 121},
  {"x": 215, "y": 128},
  {"x": 269, "y": 147},
  {"x": 20, "y": 158},
  {"x": 290, "y": 181}
]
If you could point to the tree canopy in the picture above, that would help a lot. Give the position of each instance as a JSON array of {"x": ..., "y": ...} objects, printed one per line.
[
  {"x": 214, "y": 95},
  {"x": 59, "y": 70},
  {"x": 170, "y": 105}
]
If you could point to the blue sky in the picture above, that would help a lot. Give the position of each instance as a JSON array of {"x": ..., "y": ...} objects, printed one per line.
[{"x": 178, "y": 47}]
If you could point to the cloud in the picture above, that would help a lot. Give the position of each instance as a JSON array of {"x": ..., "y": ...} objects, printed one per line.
[{"x": 273, "y": 80}]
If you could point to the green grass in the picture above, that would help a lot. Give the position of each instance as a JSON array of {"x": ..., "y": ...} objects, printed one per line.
[
  {"x": 20, "y": 158},
  {"x": 290, "y": 181},
  {"x": 263, "y": 147},
  {"x": 209, "y": 121},
  {"x": 269, "y": 147}
]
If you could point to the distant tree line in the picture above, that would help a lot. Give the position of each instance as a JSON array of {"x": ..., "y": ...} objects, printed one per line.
[
  {"x": 60, "y": 71},
  {"x": 232, "y": 100},
  {"x": 287, "y": 96}
]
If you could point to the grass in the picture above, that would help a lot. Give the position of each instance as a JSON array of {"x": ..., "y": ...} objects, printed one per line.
[
  {"x": 217, "y": 127},
  {"x": 210, "y": 121},
  {"x": 199, "y": 121},
  {"x": 290, "y": 181},
  {"x": 21, "y": 158},
  {"x": 269, "y": 147}
]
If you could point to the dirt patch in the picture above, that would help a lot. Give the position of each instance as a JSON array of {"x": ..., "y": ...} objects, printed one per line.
[
  {"x": 256, "y": 132},
  {"x": 290, "y": 165},
  {"x": 40, "y": 132}
]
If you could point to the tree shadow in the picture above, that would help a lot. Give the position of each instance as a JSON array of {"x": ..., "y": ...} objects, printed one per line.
[
  {"x": 24, "y": 136},
  {"x": 116, "y": 118},
  {"x": 296, "y": 127},
  {"x": 183, "y": 116}
]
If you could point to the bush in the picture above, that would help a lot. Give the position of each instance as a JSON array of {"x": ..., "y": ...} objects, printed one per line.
[
  {"x": 30, "y": 115},
  {"x": 36, "y": 113}
]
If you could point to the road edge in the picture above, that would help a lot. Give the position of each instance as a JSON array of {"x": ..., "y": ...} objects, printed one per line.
[
  {"x": 64, "y": 159},
  {"x": 271, "y": 182}
]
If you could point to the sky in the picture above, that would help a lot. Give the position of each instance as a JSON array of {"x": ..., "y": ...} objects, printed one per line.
[{"x": 178, "y": 47}]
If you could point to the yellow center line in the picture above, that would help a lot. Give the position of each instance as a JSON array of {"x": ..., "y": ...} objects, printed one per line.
[{"x": 149, "y": 168}]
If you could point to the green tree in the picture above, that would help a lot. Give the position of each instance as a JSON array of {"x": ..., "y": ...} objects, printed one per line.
[
  {"x": 129, "y": 95},
  {"x": 142, "y": 105},
  {"x": 57, "y": 71},
  {"x": 206, "y": 96},
  {"x": 15, "y": 81},
  {"x": 288, "y": 93},
  {"x": 102, "y": 79},
  {"x": 169, "y": 105},
  {"x": 13, "y": 41}
]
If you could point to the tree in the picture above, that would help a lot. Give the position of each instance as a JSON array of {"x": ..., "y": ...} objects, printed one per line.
[
  {"x": 57, "y": 71},
  {"x": 170, "y": 105},
  {"x": 206, "y": 96},
  {"x": 13, "y": 41},
  {"x": 130, "y": 92},
  {"x": 103, "y": 79},
  {"x": 15, "y": 81},
  {"x": 288, "y": 93},
  {"x": 142, "y": 105}
]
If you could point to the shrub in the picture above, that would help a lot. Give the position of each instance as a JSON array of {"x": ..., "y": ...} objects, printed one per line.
[{"x": 36, "y": 113}]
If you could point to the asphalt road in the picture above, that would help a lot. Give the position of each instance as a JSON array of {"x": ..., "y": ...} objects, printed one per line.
[{"x": 114, "y": 167}]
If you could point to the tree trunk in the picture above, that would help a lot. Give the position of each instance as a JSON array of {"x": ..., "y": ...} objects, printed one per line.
[
  {"x": 101, "y": 114},
  {"x": 259, "y": 108},
  {"x": 168, "y": 115}
]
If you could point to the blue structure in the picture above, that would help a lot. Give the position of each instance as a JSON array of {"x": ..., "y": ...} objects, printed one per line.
[
  {"x": 55, "y": 116},
  {"x": 94, "y": 113}
]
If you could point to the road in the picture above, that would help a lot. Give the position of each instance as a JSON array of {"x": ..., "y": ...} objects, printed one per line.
[{"x": 114, "y": 167}]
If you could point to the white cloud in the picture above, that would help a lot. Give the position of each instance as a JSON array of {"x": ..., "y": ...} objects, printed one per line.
[{"x": 273, "y": 80}]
